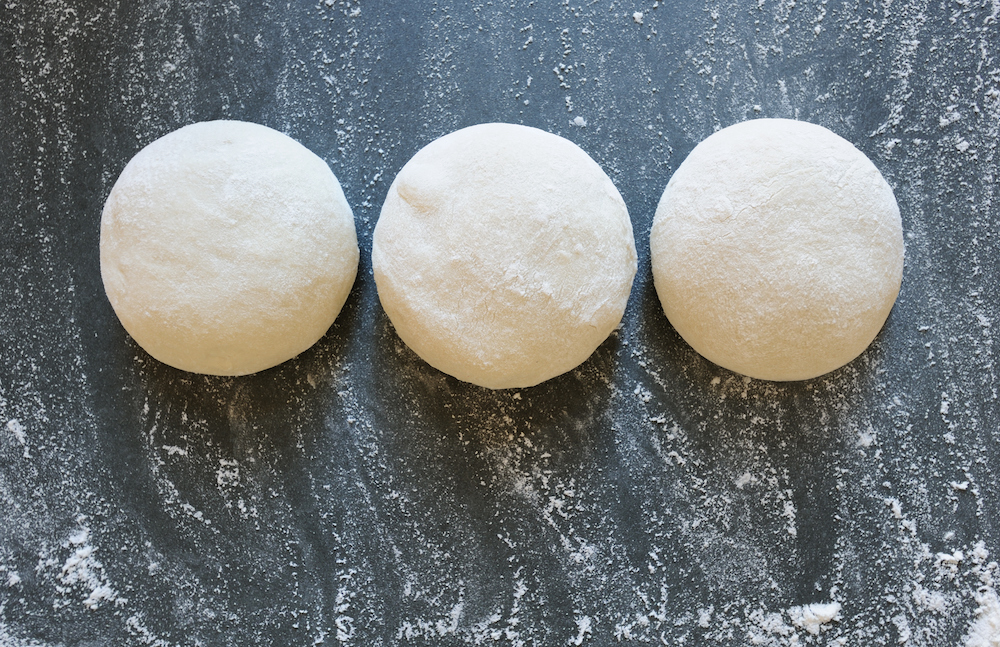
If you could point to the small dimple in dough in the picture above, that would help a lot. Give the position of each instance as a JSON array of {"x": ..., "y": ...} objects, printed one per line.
[
  {"x": 777, "y": 250},
  {"x": 503, "y": 255},
  {"x": 227, "y": 248}
]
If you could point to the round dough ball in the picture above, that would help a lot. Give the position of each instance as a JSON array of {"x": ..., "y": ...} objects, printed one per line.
[
  {"x": 227, "y": 248},
  {"x": 777, "y": 250},
  {"x": 503, "y": 255}
]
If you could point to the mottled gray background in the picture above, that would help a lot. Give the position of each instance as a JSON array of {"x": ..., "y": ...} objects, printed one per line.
[{"x": 355, "y": 495}]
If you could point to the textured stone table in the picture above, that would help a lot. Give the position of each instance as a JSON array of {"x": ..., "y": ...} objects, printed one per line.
[{"x": 357, "y": 496}]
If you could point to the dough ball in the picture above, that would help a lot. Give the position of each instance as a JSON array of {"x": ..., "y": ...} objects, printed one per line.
[
  {"x": 777, "y": 250},
  {"x": 503, "y": 255},
  {"x": 227, "y": 248}
]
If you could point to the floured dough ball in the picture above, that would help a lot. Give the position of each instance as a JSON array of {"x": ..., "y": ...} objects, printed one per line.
[
  {"x": 227, "y": 248},
  {"x": 503, "y": 255},
  {"x": 777, "y": 250}
]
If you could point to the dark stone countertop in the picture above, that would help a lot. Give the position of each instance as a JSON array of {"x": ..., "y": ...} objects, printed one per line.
[{"x": 357, "y": 496}]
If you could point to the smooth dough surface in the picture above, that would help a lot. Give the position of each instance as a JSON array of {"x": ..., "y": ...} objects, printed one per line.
[
  {"x": 777, "y": 250},
  {"x": 503, "y": 255},
  {"x": 227, "y": 248}
]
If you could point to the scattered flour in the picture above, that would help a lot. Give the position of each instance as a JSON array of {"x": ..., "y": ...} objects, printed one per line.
[
  {"x": 985, "y": 629},
  {"x": 583, "y": 624},
  {"x": 812, "y": 617},
  {"x": 14, "y": 426},
  {"x": 83, "y": 570},
  {"x": 705, "y": 493}
]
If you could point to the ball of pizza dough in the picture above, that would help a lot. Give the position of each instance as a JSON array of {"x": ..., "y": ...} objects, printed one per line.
[
  {"x": 503, "y": 255},
  {"x": 227, "y": 248},
  {"x": 777, "y": 250}
]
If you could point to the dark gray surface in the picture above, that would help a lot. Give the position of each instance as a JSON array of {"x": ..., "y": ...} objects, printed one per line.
[{"x": 356, "y": 496}]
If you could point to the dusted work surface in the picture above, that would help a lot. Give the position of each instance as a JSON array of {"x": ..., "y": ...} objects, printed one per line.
[{"x": 355, "y": 495}]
